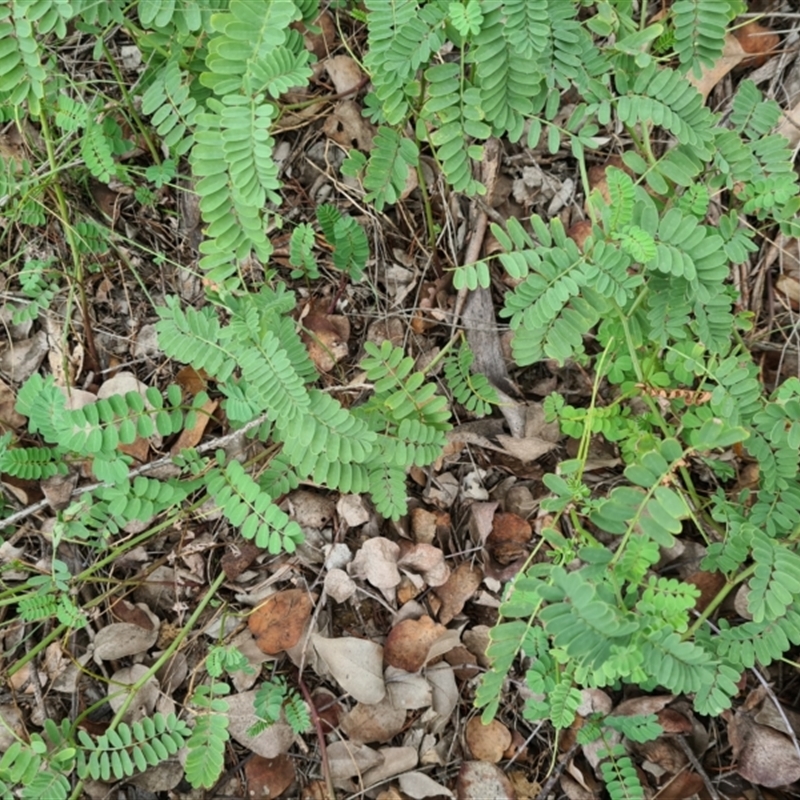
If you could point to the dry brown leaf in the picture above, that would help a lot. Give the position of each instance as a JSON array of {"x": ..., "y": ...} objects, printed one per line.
[
  {"x": 355, "y": 664},
  {"x": 763, "y": 756},
  {"x": 664, "y": 753},
  {"x": 487, "y": 742},
  {"x": 732, "y": 54},
  {"x": 22, "y": 358},
  {"x": 145, "y": 699},
  {"x": 351, "y": 759},
  {"x": 10, "y": 420},
  {"x": 326, "y": 337},
  {"x": 481, "y": 520},
  {"x": 279, "y": 622},
  {"x": 57, "y": 490},
  {"x": 509, "y": 538},
  {"x": 352, "y": 510},
  {"x": 418, "y": 785},
  {"x": 191, "y": 380},
  {"x": 758, "y": 42},
  {"x": 310, "y": 509},
  {"x": 395, "y": 761},
  {"x": 345, "y": 74},
  {"x": 137, "y": 614},
  {"x": 339, "y": 585},
  {"x": 237, "y": 559},
  {"x": 460, "y": 586},
  {"x": 270, "y": 743},
  {"x": 121, "y": 639},
  {"x": 268, "y": 777},
  {"x": 407, "y": 690},
  {"x": 426, "y": 560},
  {"x": 376, "y": 562},
  {"x": 348, "y": 128},
  {"x": 789, "y": 126},
  {"x": 189, "y": 437},
  {"x": 479, "y": 780},
  {"x": 379, "y": 722},
  {"x": 683, "y": 786},
  {"x": 789, "y": 287},
  {"x": 409, "y": 643}
]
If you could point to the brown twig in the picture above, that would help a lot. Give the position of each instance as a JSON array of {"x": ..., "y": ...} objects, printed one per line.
[{"x": 323, "y": 749}]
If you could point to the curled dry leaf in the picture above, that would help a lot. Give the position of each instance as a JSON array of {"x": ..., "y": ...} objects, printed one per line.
[
  {"x": 409, "y": 643},
  {"x": 345, "y": 74},
  {"x": 326, "y": 337},
  {"x": 460, "y": 586},
  {"x": 376, "y": 562},
  {"x": 352, "y": 510},
  {"x": 279, "y": 622},
  {"x": 379, "y": 722},
  {"x": 425, "y": 559},
  {"x": 339, "y": 585},
  {"x": 355, "y": 664},
  {"x": 487, "y": 742}
]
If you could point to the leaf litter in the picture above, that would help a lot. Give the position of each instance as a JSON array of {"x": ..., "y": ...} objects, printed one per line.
[{"x": 399, "y": 676}]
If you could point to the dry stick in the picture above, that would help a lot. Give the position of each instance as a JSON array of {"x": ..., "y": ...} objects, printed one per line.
[
  {"x": 164, "y": 461},
  {"x": 473, "y": 252},
  {"x": 556, "y": 774},
  {"x": 698, "y": 767},
  {"x": 323, "y": 748}
]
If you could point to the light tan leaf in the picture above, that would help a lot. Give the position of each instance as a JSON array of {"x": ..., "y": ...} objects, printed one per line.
[
  {"x": 478, "y": 780},
  {"x": 395, "y": 761},
  {"x": 121, "y": 639},
  {"x": 407, "y": 690},
  {"x": 352, "y": 510},
  {"x": 376, "y": 562},
  {"x": 310, "y": 509},
  {"x": 344, "y": 72},
  {"x": 270, "y": 743},
  {"x": 355, "y": 664},
  {"x": 351, "y": 759},
  {"x": 339, "y": 585},
  {"x": 426, "y": 560},
  {"x": 487, "y": 742},
  {"x": 418, "y": 785},
  {"x": 378, "y": 722},
  {"x": 445, "y": 690},
  {"x": 144, "y": 701},
  {"x": 763, "y": 756}
]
